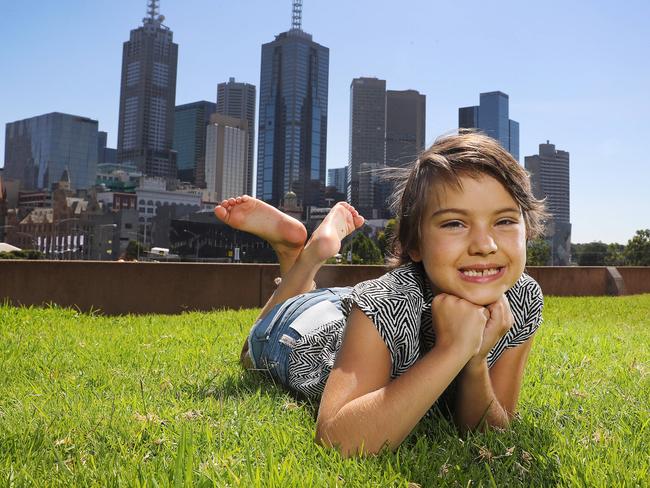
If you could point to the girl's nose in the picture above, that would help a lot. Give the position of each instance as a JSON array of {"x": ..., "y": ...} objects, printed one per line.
[{"x": 482, "y": 243}]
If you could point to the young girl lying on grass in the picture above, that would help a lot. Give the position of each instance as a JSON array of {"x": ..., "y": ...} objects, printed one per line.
[{"x": 456, "y": 306}]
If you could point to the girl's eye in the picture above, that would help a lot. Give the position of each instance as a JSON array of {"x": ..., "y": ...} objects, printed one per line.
[
  {"x": 454, "y": 224},
  {"x": 506, "y": 222}
]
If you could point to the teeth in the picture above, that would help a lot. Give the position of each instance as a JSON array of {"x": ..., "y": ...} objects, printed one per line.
[{"x": 484, "y": 272}]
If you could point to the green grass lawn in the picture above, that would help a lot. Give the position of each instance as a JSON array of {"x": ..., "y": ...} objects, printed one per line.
[{"x": 161, "y": 400}]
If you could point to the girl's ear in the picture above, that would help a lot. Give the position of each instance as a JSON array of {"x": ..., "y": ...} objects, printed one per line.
[{"x": 415, "y": 256}]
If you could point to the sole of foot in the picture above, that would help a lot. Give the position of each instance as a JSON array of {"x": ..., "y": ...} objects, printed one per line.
[
  {"x": 340, "y": 222},
  {"x": 284, "y": 233}
]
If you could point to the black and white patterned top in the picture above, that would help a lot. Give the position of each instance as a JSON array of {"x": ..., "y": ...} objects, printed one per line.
[{"x": 399, "y": 305}]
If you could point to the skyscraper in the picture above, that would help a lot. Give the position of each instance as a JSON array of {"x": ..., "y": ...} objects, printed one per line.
[
  {"x": 238, "y": 100},
  {"x": 190, "y": 123},
  {"x": 405, "y": 126},
  {"x": 148, "y": 97},
  {"x": 105, "y": 155},
  {"x": 550, "y": 179},
  {"x": 367, "y": 137},
  {"x": 226, "y": 155},
  {"x": 292, "y": 143},
  {"x": 40, "y": 149},
  {"x": 338, "y": 177},
  {"x": 492, "y": 117}
]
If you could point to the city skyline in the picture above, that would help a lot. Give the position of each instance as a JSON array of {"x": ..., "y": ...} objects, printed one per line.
[{"x": 583, "y": 87}]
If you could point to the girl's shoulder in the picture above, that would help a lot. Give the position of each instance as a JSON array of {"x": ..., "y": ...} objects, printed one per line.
[
  {"x": 525, "y": 293},
  {"x": 404, "y": 283},
  {"x": 394, "y": 303}
]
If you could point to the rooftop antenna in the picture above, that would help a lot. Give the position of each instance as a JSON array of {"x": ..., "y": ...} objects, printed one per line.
[
  {"x": 153, "y": 17},
  {"x": 296, "y": 15},
  {"x": 152, "y": 9}
]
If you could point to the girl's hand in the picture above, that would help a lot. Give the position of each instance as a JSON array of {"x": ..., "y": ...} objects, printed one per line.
[
  {"x": 499, "y": 323},
  {"x": 459, "y": 323}
]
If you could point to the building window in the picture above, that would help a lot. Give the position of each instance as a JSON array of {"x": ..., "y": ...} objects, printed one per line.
[
  {"x": 132, "y": 73},
  {"x": 130, "y": 122}
]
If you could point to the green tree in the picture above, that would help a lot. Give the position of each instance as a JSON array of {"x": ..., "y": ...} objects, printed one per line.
[
  {"x": 22, "y": 254},
  {"x": 592, "y": 254},
  {"x": 615, "y": 255},
  {"x": 134, "y": 250},
  {"x": 637, "y": 251},
  {"x": 364, "y": 250},
  {"x": 384, "y": 237},
  {"x": 538, "y": 252}
]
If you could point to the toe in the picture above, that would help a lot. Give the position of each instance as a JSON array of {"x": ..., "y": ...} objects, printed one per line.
[{"x": 220, "y": 212}]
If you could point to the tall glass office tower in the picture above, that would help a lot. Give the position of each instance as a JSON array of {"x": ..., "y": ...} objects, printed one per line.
[
  {"x": 492, "y": 117},
  {"x": 190, "y": 123},
  {"x": 148, "y": 97},
  {"x": 292, "y": 136},
  {"x": 40, "y": 149}
]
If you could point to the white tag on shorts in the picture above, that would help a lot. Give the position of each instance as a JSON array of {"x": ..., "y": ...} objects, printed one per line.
[
  {"x": 312, "y": 318},
  {"x": 287, "y": 341}
]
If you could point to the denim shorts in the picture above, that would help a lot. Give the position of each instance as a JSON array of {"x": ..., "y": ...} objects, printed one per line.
[{"x": 272, "y": 338}]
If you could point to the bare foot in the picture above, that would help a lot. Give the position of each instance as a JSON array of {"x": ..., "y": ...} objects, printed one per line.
[
  {"x": 285, "y": 234},
  {"x": 340, "y": 222}
]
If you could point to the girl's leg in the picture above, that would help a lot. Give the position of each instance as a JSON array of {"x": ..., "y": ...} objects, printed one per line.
[
  {"x": 324, "y": 243},
  {"x": 285, "y": 234}
]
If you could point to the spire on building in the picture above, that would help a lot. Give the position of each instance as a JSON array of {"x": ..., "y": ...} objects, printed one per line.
[
  {"x": 153, "y": 16},
  {"x": 296, "y": 15},
  {"x": 65, "y": 176},
  {"x": 152, "y": 9}
]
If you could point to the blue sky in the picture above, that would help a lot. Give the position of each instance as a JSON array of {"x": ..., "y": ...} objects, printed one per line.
[{"x": 577, "y": 73}]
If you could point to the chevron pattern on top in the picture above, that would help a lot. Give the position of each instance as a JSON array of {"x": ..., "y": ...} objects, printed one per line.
[{"x": 399, "y": 305}]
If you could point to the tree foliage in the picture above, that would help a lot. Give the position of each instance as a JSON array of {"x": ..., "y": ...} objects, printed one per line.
[
  {"x": 591, "y": 254},
  {"x": 22, "y": 254},
  {"x": 637, "y": 251},
  {"x": 615, "y": 255},
  {"x": 364, "y": 250},
  {"x": 538, "y": 253},
  {"x": 134, "y": 250},
  {"x": 384, "y": 237}
]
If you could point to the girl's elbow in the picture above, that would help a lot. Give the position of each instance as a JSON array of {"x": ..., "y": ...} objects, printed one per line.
[{"x": 346, "y": 447}]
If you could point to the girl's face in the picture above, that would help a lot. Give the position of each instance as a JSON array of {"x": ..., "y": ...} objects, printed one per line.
[{"x": 473, "y": 240}]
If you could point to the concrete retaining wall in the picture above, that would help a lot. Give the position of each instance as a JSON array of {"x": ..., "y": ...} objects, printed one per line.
[{"x": 121, "y": 288}]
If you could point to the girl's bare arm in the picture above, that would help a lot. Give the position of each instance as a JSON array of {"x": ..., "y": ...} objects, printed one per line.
[
  {"x": 489, "y": 397},
  {"x": 362, "y": 410}
]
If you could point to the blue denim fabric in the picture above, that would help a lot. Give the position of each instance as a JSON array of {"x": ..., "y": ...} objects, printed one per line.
[{"x": 270, "y": 339}]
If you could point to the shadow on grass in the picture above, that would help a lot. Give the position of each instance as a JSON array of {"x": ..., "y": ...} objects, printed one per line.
[
  {"x": 240, "y": 384},
  {"x": 435, "y": 454}
]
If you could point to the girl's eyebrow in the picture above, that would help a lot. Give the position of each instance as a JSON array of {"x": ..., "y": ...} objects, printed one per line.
[{"x": 465, "y": 212}]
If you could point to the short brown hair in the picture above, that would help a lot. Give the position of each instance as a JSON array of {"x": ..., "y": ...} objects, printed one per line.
[{"x": 468, "y": 153}]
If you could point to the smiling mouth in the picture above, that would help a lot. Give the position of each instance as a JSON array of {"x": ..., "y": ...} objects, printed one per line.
[{"x": 482, "y": 274}]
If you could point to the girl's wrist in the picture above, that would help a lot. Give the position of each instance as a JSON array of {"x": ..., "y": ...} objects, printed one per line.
[
  {"x": 455, "y": 348},
  {"x": 475, "y": 364}
]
